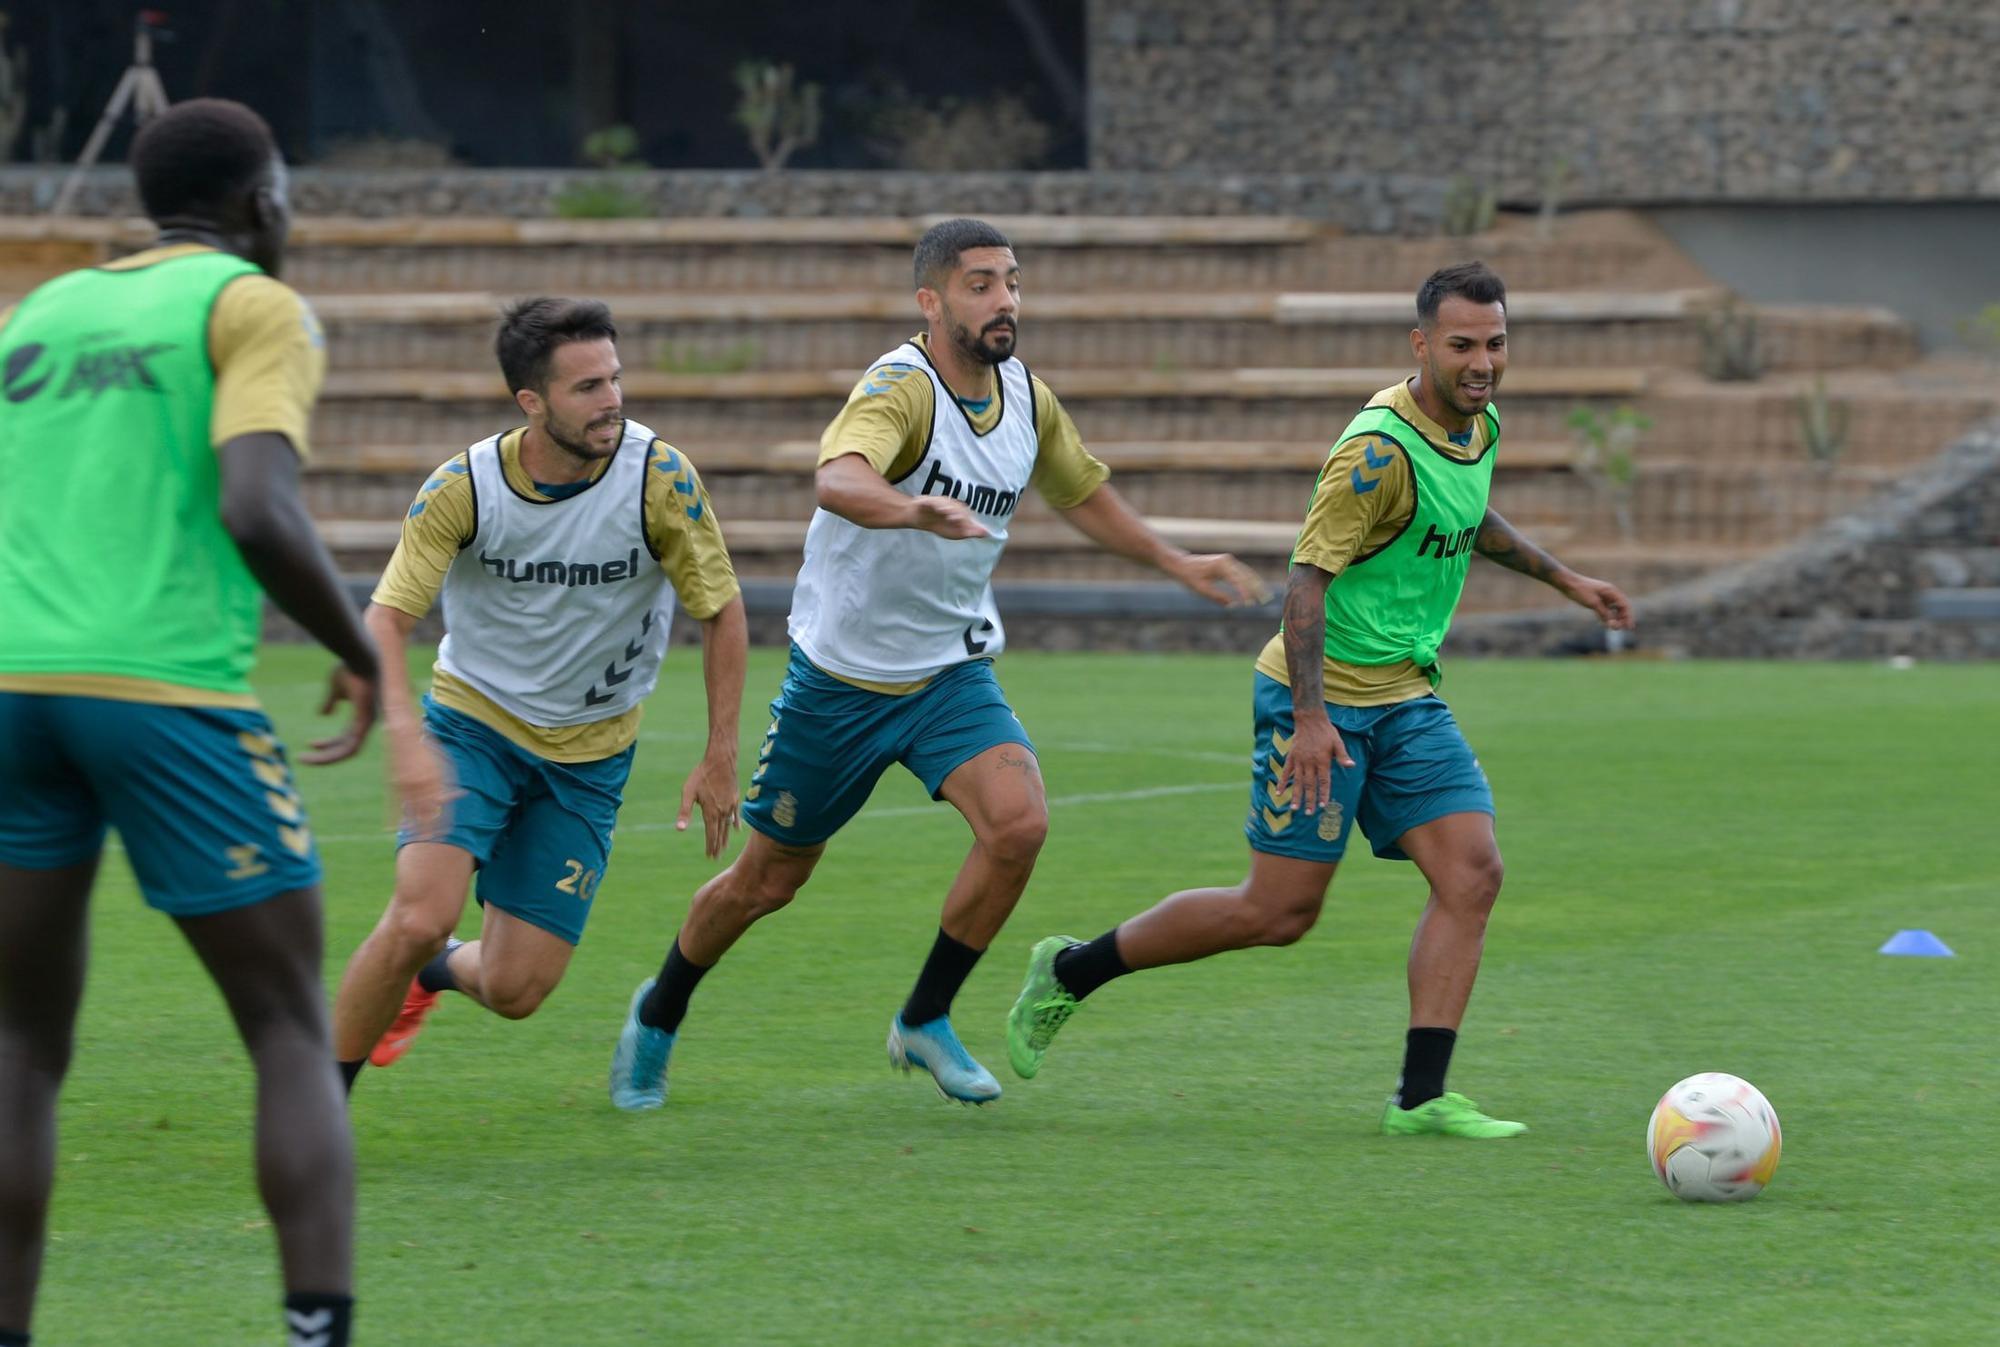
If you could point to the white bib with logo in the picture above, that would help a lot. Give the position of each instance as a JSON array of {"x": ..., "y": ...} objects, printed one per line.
[
  {"x": 558, "y": 610},
  {"x": 898, "y": 605}
]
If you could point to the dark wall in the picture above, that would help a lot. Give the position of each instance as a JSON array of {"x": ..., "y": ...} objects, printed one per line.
[{"x": 521, "y": 82}]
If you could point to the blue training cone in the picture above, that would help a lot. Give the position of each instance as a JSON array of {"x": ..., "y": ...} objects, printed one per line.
[{"x": 1921, "y": 943}]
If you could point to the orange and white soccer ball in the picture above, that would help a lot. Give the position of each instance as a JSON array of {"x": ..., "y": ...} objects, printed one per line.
[{"x": 1714, "y": 1138}]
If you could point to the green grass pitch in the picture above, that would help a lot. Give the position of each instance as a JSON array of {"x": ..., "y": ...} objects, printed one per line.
[{"x": 1702, "y": 860}]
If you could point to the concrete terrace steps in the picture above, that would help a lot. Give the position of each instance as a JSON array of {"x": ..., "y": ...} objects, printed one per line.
[
  {"x": 1250, "y": 536},
  {"x": 801, "y": 456},
  {"x": 1715, "y": 501},
  {"x": 1049, "y": 552},
  {"x": 1247, "y": 384},
  {"x": 310, "y": 231},
  {"x": 1169, "y": 330},
  {"x": 1691, "y": 418},
  {"x": 1591, "y": 249},
  {"x": 1285, "y": 307},
  {"x": 450, "y": 409}
]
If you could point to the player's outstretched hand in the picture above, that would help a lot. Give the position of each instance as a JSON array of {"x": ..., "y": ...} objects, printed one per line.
[
  {"x": 359, "y": 693},
  {"x": 1308, "y": 772},
  {"x": 947, "y": 518},
  {"x": 1603, "y": 598},
  {"x": 424, "y": 783},
  {"x": 712, "y": 786},
  {"x": 1221, "y": 578}
]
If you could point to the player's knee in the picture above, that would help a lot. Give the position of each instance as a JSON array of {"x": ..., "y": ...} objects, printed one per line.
[
  {"x": 1267, "y": 918},
  {"x": 1286, "y": 924},
  {"x": 515, "y": 1000},
  {"x": 1017, "y": 840},
  {"x": 416, "y": 929},
  {"x": 1476, "y": 884},
  {"x": 762, "y": 894}
]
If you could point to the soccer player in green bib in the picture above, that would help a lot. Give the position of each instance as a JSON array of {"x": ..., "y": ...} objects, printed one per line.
[
  {"x": 153, "y": 417},
  {"x": 1349, "y": 727}
]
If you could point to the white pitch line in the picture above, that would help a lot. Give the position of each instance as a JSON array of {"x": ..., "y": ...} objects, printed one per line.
[
  {"x": 1187, "y": 754},
  {"x": 934, "y": 810}
]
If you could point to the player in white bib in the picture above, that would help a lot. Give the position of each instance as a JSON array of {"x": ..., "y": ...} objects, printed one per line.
[
  {"x": 894, "y": 632},
  {"x": 559, "y": 550}
]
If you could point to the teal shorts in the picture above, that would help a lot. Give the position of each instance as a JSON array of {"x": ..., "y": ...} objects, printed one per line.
[
  {"x": 1411, "y": 766},
  {"x": 830, "y": 742},
  {"x": 538, "y": 831},
  {"x": 201, "y": 797}
]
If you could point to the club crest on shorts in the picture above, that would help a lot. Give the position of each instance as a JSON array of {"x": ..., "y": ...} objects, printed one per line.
[
  {"x": 785, "y": 812},
  {"x": 1329, "y": 822}
]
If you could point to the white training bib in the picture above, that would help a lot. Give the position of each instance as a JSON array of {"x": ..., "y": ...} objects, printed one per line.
[
  {"x": 558, "y": 610},
  {"x": 898, "y": 605}
]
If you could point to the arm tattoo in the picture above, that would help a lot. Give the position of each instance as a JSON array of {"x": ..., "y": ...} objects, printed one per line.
[
  {"x": 1500, "y": 542},
  {"x": 1305, "y": 633}
]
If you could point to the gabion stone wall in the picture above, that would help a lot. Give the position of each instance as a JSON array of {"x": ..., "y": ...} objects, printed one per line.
[
  {"x": 1632, "y": 101},
  {"x": 1853, "y": 589},
  {"x": 1364, "y": 203}
]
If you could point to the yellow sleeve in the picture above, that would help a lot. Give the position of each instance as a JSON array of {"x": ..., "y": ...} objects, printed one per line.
[
  {"x": 1362, "y": 501},
  {"x": 887, "y": 420},
  {"x": 270, "y": 358},
  {"x": 441, "y": 521},
  {"x": 1065, "y": 472},
  {"x": 685, "y": 534}
]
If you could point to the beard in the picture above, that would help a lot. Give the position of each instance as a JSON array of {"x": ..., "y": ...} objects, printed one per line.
[
  {"x": 576, "y": 439},
  {"x": 992, "y": 345},
  {"x": 1448, "y": 393}
]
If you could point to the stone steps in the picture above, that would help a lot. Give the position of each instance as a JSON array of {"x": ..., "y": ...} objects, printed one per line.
[
  {"x": 1691, "y": 419},
  {"x": 1059, "y": 254},
  {"x": 1534, "y": 485},
  {"x": 358, "y": 408},
  {"x": 694, "y": 333},
  {"x": 1047, "y": 549}
]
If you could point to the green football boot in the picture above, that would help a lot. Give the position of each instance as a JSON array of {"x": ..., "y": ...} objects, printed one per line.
[
  {"x": 1042, "y": 1008},
  {"x": 1448, "y": 1115}
]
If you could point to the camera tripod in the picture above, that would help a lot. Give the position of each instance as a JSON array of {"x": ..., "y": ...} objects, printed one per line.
[{"x": 139, "y": 88}]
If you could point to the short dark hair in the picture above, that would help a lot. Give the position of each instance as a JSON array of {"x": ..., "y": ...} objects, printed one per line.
[
  {"x": 939, "y": 249},
  {"x": 531, "y": 330},
  {"x": 198, "y": 156},
  {"x": 1468, "y": 280}
]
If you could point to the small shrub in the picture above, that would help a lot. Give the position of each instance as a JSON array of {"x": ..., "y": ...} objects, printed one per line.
[
  {"x": 962, "y": 136},
  {"x": 731, "y": 359},
  {"x": 778, "y": 115},
  {"x": 1981, "y": 332},
  {"x": 1822, "y": 425},
  {"x": 608, "y": 194},
  {"x": 1469, "y": 207},
  {"x": 1608, "y": 457},
  {"x": 1730, "y": 349},
  {"x": 371, "y": 153},
  {"x": 1555, "y": 179}
]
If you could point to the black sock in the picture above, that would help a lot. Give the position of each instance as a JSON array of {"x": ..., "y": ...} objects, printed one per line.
[
  {"x": 667, "y": 1004},
  {"x": 349, "y": 1070},
  {"x": 1082, "y": 969},
  {"x": 315, "y": 1320},
  {"x": 435, "y": 976},
  {"x": 949, "y": 965},
  {"x": 1426, "y": 1057},
  {"x": 9, "y": 1338}
]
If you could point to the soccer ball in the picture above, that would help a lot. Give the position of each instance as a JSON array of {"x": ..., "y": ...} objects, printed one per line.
[{"x": 1714, "y": 1138}]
